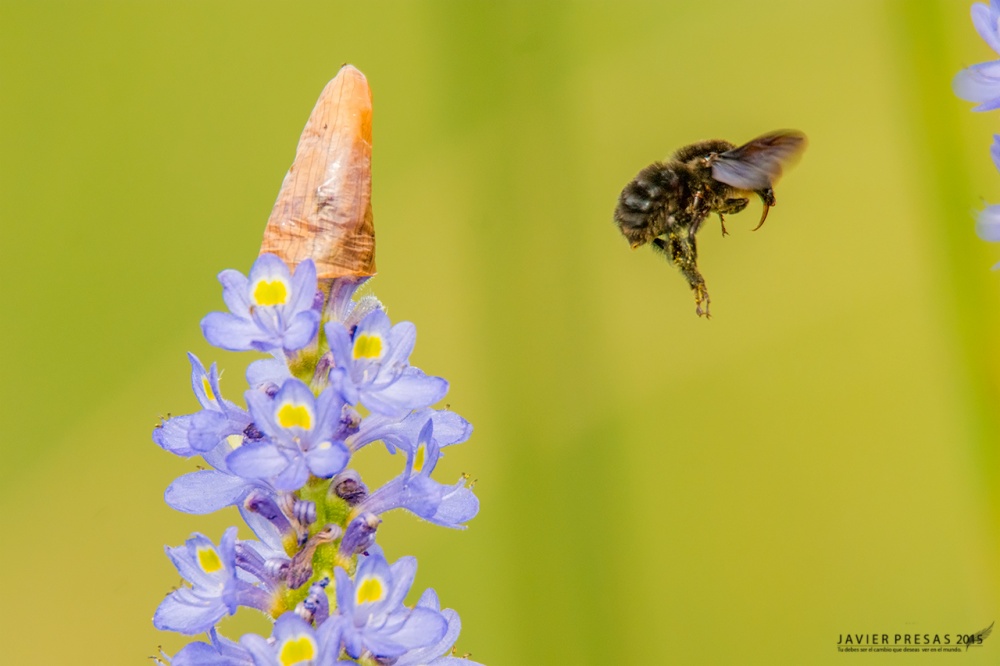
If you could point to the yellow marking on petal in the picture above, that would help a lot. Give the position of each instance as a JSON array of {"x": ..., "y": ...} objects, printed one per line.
[
  {"x": 270, "y": 292},
  {"x": 234, "y": 441},
  {"x": 209, "y": 560},
  {"x": 370, "y": 590},
  {"x": 419, "y": 457},
  {"x": 291, "y": 415},
  {"x": 368, "y": 346},
  {"x": 206, "y": 386},
  {"x": 297, "y": 650}
]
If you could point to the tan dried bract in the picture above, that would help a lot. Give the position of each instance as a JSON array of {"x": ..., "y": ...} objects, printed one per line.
[{"x": 324, "y": 209}]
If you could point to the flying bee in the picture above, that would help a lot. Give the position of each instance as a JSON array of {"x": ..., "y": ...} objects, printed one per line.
[{"x": 668, "y": 201}]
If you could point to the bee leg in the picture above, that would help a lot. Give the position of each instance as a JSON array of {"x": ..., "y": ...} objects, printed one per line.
[
  {"x": 696, "y": 200},
  {"x": 733, "y": 206},
  {"x": 683, "y": 253},
  {"x": 730, "y": 207},
  {"x": 722, "y": 220}
]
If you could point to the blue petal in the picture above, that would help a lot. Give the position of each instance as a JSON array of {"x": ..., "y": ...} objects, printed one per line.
[
  {"x": 269, "y": 267},
  {"x": 181, "y": 611},
  {"x": 458, "y": 505},
  {"x": 234, "y": 292},
  {"x": 422, "y": 627},
  {"x": 979, "y": 83},
  {"x": 325, "y": 461},
  {"x": 208, "y": 428},
  {"x": 429, "y": 599},
  {"x": 402, "y": 337},
  {"x": 261, "y": 650},
  {"x": 340, "y": 344},
  {"x": 267, "y": 371},
  {"x": 203, "y": 654},
  {"x": 206, "y": 491},
  {"x": 256, "y": 460},
  {"x": 987, "y": 225},
  {"x": 985, "y": 20},
  {"x": 227, "y": 331},
  {"x": 344, "y": 590},
  {"x": 172, "y": 435},
  {"x": 261, "y": 408},
  {"x": 303, "y": 287},
  {"x": 198, "y": 375},
  {"x": 450, "y": 428},
  {"x": 413, "y": 390},
  {"x": 404, "y": 570},
  {"x": 340, "y": 304},
  {"x": 293, "y": 477},
  {"x": 301, "y": 330}
]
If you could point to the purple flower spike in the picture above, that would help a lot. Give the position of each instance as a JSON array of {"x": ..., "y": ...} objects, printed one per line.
[
  {"x": 270, "y": 310},
  {"x": 282, "y": 462},
  {"x": 299, "y": 438}
]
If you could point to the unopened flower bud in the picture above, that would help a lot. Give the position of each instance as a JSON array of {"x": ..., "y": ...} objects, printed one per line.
[
  {"x": 348, "y": 486},
  {"x": 360, "y": 535}
]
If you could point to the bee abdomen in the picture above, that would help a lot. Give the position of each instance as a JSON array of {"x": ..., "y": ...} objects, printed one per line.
[{"x": 642, "y": 204}]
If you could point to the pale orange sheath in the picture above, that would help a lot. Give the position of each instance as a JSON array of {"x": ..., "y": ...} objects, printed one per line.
[{"x": 324, "y": 208}]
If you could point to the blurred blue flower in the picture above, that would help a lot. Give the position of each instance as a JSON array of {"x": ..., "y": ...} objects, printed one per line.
[
  {"x": 981, "y": 83},
  {"x": 986, "y": 19}
]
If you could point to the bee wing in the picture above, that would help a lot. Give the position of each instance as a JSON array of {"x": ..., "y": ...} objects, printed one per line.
[{"x": 757, "y": 164}]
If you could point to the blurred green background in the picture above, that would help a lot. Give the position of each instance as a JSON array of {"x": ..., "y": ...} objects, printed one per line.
[{"x": 818, "y": 459}]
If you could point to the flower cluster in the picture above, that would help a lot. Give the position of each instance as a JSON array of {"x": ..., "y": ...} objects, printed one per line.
[
  {"x": 338, "y": 378},
  {"x": 981, "y": 83}
]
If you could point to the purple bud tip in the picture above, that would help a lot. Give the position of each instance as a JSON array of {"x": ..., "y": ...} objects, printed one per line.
[
  {"x": 360, "y": 534},
  {"x": 261, "y": 504},
  {"x": 253, "y": 433},
  {"x": 348, "y": 486}
]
